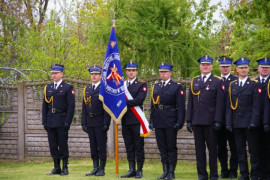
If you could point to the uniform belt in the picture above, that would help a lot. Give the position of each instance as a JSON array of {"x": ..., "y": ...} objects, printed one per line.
[
  {"x": 95, "y": 114},
  {"x": 54, "y": 110},
  {"x": 161, "y": 106}
]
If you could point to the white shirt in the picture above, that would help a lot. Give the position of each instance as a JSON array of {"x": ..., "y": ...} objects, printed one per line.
[
  {"x": 131, "y": 81},
  {"x": 263, "y": 78},
  {"x": 225, "y": 76},
  {"x": 96, "y": 85},
  {"x": 57, "y": 84},
  {"x": 207, "y": 76},
  {"x": 165, "y": 82},
  {"x": 243, "y": 81}
]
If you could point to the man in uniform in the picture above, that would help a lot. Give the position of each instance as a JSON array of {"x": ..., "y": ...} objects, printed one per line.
[
  {"x": 167, "y": 117},
  {"x": 225, "y": 65},
  {"x": 130, "y": 124},
  {"x": 57, "y": 114},
  {"x": 263, "y": 78},
  {"x": 95, "y": 122},
  {"x": 204, "y": 115},
  {"x": 241, "y": 106},
  {"x": 266, "y": 125}
]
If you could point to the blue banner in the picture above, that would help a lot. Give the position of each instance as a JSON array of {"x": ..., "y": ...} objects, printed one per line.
[{"x": 112, "y": 91}]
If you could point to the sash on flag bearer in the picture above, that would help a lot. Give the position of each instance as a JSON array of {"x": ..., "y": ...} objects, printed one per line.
[{"x": 144, "y": 129}]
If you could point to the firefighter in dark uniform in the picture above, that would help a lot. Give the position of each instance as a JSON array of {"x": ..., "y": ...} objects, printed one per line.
[
  {"x": 241, "y": 106},
  {"x": 204, "y": 116},
  {"x": 266, "y": 125},
  {"x": 263, "y": 78},
  {"x": 167, "y": 117},
  {"x": 134, "y": 143},
  {"x": 225, "y": 65},
  {"x": 57, "y": 114},
  {"x": 95, "y": 122}
]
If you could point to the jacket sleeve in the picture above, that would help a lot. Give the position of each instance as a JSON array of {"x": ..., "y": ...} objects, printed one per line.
[
  {"x": 107, "y": 118},
  {"x": 84, "y": 114},
  {"x": 70, "y": 105},
  {"x": 190, "y": 106},
  {"x": 229, "y": 111},
  {"x": 256, "y": 107},
  {"x": 44, "y": 112},
  {"x": 180, "y": 101},
  {"x": 266, "y": 114},
  {"x": 152, "y": 115},
  {"x": 139, "y": 99},
  {"x": 220, "y": 105}
]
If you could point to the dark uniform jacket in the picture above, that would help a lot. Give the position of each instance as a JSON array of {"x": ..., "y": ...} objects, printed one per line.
[
  {"x": 266, "y": 118},
  {"x": 227, "y": 83},
  {"x": 63, "y": 102},
  {"x": 170, "y": 95},
  {"x": 93, "y": 114},
  {"x": 138, "y": 91},
  {"x": 261, "y": 101},
  {"x": 247, "y": 99},
  {"x": 208, "y": 106}
]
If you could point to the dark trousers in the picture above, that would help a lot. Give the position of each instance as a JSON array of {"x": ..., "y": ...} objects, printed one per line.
[
  {"x": 267, "y": 158},
  {"x": 58, "y": 142},
  {"x": 243, "y": 135},
  {"x": 224, "y": 137},
  {"x": 205, "y": 136},
  {"x": 166, "y": 141},
  {"x": 98, "y": 142},
  {"x": 262, "y": 144},
  {"x": 134, "y": 142}
]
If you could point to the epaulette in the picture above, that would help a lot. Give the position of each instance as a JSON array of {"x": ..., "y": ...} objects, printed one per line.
[
  {"x": 140, "y": 80},
  {"x": 217, "y": 77},
  {"x": 196, "y": 76},
  {"x": 254, "y": 79},
  {"x": 178, "y": 83},
  {"x": 233, "y": 81}
]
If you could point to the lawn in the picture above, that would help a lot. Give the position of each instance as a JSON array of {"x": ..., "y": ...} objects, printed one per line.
[{"x": 36, "y": 169}]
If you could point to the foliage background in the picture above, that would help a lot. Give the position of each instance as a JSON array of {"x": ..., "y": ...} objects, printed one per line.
[{"x": 149, "y": 32}]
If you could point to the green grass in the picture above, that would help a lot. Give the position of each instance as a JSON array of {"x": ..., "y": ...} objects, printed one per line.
[{"x": 36, "y": 169}]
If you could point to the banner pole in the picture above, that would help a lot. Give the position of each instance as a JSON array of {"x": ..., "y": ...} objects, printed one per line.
[{"x": 116, "y": 150}]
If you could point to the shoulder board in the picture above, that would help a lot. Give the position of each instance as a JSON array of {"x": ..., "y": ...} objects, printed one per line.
[
  {"x": 217, "y": 77},
  {"x": 233, "y": 81},
  {"x": 178, "y": 83},
  {"x": 254, "y": 80},
  {"x": 140, "y": 80},
  {"x": 196, "y": 76}
]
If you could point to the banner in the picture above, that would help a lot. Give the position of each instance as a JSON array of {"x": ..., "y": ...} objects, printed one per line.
[{"x": 112, "y": 91}]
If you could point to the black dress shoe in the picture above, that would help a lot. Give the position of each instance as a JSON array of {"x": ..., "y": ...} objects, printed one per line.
[
  {"x": 223, "y": 176},
  {"x": 244, "y": 178}
]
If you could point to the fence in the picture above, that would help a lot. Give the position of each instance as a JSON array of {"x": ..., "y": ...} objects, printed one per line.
[{"x": 22, "y": 134}]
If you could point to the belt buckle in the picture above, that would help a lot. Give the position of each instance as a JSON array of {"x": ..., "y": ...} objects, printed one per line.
[
  {"x": 53, "y": 110},
  {"x": 160, "y": 106},
  {"x": 91, "y": 114}
]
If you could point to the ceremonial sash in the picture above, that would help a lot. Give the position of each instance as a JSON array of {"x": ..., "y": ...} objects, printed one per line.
[{"x": 144, "y": 130}]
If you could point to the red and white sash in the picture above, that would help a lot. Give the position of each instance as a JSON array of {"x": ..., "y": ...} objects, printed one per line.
[{"x": 144, "y": 130}]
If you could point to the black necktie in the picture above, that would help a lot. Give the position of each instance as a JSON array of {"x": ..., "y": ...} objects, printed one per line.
[
  {"x": 241, "y": 84},
  {"x": 224, "y": 79},
  {"x": 263, "y": 80},
  {"x": 55, "y": 85},
  {"x": 204, "y": 77},
  {"x": 128, "y": 84},
  {"x": 93, "y": 87},
  {"x": 163, "y": 84}
]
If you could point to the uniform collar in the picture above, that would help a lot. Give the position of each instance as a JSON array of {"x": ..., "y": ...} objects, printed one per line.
[
  {"x": 58, "y": 83},
  {"x": 131, "y": 81},
  {"x": 226, "y": 76},
  {"x": 166, "y": 82},
  {"x": 207, "y": 76},
  {"x": 243, "y": 81},
  {"x": 96, "y": 84}
]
